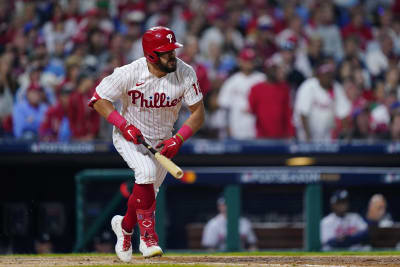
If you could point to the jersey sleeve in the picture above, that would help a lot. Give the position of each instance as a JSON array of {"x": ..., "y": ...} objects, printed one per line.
[
  {"x": 111, "y": 87},
  {"x": 192, "y": 93}
]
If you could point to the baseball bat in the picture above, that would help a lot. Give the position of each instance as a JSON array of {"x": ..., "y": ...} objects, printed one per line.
[{"x": 168, "y": 164}]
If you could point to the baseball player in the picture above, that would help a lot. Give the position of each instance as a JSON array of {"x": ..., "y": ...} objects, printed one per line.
[
  {"x": 151, "y": 90},
  {"x": 341, "y": 228}
]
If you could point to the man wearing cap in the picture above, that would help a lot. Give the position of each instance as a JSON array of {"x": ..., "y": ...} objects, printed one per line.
[
  {"x": 319, "y": 102},
  {"x": 151, "y": 90},
  {"x": 234, "y": 93},
  {"x": 29, "y": 112},
  {"x": 342, "y": 229}
]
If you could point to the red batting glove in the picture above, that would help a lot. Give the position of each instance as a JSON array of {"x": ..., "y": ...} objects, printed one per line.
[
  {"x": 170, "y": 147},
  {"x": 131, "y": 133}
]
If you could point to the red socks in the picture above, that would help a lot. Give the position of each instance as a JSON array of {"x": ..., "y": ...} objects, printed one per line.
[
  {"x": 129, "y": 220},
  {"x": 142, "y": 198}
]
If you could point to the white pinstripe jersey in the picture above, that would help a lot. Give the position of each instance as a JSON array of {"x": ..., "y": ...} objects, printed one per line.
[{"x": 150, "y": 103}]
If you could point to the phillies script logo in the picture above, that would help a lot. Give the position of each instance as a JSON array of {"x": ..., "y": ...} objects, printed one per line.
[{"x": 156, "y": 101}]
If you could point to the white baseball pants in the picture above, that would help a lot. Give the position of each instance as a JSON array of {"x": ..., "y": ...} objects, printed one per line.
[{"x": 146, "y": 168}]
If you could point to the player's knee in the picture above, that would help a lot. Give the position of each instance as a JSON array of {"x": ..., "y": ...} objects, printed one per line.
[{"x": 144, "y": 179}]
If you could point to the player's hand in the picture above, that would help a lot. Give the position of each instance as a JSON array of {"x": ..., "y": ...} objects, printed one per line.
[
  {"x": 131, "y": 133},
  {"x": 170, "y": 147}
]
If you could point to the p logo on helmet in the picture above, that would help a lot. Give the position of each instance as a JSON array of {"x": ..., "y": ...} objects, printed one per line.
[
  {"x": 169, "y": 36},
  {"x": 158, "y": 39}
]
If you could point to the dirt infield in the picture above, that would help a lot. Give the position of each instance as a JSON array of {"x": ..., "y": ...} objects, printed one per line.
[{"x": 98, "y": 260}]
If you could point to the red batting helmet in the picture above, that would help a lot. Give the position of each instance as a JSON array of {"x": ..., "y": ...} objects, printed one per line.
[{"x": 158, "y": 39}]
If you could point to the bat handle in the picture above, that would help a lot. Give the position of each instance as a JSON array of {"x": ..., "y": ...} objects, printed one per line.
[{"x": 149, "y": 147}]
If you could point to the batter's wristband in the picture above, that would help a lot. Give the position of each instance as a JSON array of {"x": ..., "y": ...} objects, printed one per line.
[
  {"x": 185, "y": 132},
  {"x": 116, "y": 119}
]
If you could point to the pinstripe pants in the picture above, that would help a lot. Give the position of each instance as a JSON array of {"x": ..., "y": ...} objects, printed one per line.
[{"x": 146, "y": 168}]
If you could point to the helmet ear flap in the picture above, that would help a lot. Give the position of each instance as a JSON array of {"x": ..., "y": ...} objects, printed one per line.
[{"x": 152, "y": 57}]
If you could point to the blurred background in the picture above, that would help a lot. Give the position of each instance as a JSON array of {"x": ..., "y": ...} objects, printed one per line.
[{"x": 302, "y": 105}]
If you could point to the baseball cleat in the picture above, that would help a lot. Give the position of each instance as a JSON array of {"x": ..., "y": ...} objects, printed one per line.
[
  {"x": 148, "y": 236},
  {"x": 123, "y": 248},
  {"x": 149, "y": 247}
]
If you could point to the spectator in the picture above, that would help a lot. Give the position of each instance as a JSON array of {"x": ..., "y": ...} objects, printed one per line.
[
  {"x": 132, "y": 31},
  {"x": 352, "y": 50},
  {"x": 29, "y": 113},
  {"x": 287, "y": 54},
  {"x": 318, "y": 102},
  {"x": 117, "y": 51},
  {"x": 97, "y": 54},
  {"x": 190, "y": 56},
  {"x": 195, "y": 15},
  {"x": 55, "y": 71},
  {"x": 377, "y": 215},
  {"x": 360, "y": 114},
  {"x": 342, "y": 229},
  {"x": 58, "y": 29},
  {"x": 220, "y": 34},
  {"x": 353, "y": 61},
  {"x": 234, "y": 93},
  {"x": 219, "y": 65},
  {"x": 354, "y": 94},
  {"x": 358, "y": 27},
  {"x": 288, "y": 12},
  {"x": 269, "y": 101},
  {"x": 216, "y": 123},
  {"x": 84, "y": 121},
  {"x": 263, "y": 38},
  {"x": 8, "y": 86},
  {"x": 55, "y": 126},
  {"x": 294, "y": 32},
  {"x": 361, "y": 128},
  {"x": 324, "y": 25},
  {"x": 215, "y": 231},
  {"x": 380, "y": 114},
  {"x": 378, "y": 60},
  {"x": 306, "y": 62},
  {"x": 71, "y": 77},
  {"x": 394, "y": 129},
  {"x": 384, "y": 23},
  {"x": 33, "y": 79},
  {"x": 396, "y": 35},
  {"x": 392, "y": 81}
]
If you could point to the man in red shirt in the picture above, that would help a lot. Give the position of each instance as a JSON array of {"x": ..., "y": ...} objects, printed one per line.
[
  {"x": 269, "y": 101},
  {"x": 84, "y": 121}
]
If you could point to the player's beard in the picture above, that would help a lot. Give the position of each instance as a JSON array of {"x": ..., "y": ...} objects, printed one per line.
[{"x": 168, "y": 67}]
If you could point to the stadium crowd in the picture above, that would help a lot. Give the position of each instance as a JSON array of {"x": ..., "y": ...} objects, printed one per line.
[{"x": 306, "y": 69}]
